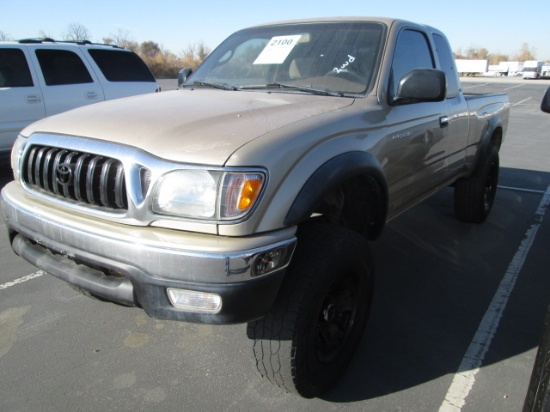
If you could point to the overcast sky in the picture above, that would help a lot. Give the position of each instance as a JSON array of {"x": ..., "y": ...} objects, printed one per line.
[{"x": 500, "y": 27}]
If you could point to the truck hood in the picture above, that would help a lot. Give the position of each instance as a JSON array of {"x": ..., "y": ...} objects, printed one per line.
[{"x": 201, "y": 126}]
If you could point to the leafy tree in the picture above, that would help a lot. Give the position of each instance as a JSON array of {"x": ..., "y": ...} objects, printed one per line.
[
  {"x": 496, "y": 58},
  {"x": 163, "y": 65},
  {"x": 149, "y": 49},
  {"x": 476, "y": 53},
  {"x": 525, "y": 53}
]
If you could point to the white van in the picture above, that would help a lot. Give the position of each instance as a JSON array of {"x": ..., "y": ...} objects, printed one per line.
[
  {"x": 40, "y": 78},
  {"x": 531, "y": 69}
]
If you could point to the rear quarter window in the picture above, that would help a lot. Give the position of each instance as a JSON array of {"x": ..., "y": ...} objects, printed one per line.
[
  {"x": 447, "y": 62},
  {"x": 121, "y": 66}
]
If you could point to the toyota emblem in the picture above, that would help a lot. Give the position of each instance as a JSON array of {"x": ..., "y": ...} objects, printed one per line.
[{"x": 64, "y": 174}]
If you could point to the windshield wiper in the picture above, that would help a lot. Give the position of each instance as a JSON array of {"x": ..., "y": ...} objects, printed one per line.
[
  {"x": 302, "y": 88},
  {"x": 305, "y": 88},
  {"x": 222, "y": 86}
]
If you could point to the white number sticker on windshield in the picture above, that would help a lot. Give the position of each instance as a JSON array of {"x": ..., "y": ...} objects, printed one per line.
[{"x": 277, "y": 49}]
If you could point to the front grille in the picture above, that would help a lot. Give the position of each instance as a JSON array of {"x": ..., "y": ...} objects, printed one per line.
[{"x": 80, "y": 177}]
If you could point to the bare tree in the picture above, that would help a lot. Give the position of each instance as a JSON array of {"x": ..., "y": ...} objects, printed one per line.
[
  {"x": 76, "y": 32},
  {"x": 43, "y": 35},
  {"x": 122, "y": 39},
  {"x": 4, "y": 36},
  {"x": 202, "y": 51},
  {"x": 194, "y": 55}
]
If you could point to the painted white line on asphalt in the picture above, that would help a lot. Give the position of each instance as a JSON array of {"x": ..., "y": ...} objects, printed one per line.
[
  {"x": 477, "y": 85},
  {"x": 514, "y": 87},
  {"x": 523, "y": 101},
  {"x": 519, "y": 189},
  {"x": 21, "y": 280},
  {"x": 464, "y": 379}
]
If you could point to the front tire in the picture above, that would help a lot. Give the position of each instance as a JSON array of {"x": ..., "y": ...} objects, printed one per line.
[
  {"x": 474, "y": 196},
  {"x": 307, "y": 339}
]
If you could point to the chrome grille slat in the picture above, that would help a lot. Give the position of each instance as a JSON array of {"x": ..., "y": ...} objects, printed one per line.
[
  {"x": 104, "y": 182},
  {"x": 90, "y": 171},
  {"x": 76, "y": 176},
  {"x": 30, "y": 161},
  {"x": 46, "y": 169},
  {"x": 120, "y": 188},
  {"x": 40, "y": 160}
]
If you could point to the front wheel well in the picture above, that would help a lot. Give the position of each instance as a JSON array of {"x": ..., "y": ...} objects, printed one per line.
[
  {"x": 348, "y": 190},
  {"x": 358, "y": 204},
  {"x": 496, "y": 138}
]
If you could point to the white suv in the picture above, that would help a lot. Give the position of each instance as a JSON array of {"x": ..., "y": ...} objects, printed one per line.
[{"x": 39, "y": 78}]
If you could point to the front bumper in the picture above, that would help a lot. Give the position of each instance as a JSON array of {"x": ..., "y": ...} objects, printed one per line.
[{"x": 136, "y": 265}]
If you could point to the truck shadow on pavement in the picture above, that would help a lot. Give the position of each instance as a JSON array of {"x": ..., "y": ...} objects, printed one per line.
[
  {"x": 435, "y": 278},
  {"x": 5, "y": 173}
]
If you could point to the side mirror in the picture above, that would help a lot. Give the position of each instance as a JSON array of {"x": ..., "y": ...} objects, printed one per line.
[
  {"x": 421, "y": 85},
  {"x": 545, "y": 105},
  {"x": 183, "y": 74}
]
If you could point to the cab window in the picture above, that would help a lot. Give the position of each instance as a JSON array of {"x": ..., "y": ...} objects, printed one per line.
[{"x": 412, "y": 51}]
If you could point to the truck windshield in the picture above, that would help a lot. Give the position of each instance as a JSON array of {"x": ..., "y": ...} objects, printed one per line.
[{"x": 322, "y": 58}]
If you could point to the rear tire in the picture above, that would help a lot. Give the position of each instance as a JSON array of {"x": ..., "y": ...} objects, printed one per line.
[
  {"x": 307, "y": 339},
  {"x": 474, "y": 196}
]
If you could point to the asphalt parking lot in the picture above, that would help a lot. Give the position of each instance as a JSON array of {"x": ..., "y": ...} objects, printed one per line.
[{"x": 456, "y": 306}]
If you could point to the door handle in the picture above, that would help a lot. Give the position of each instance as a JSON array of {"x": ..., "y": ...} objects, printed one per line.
[
  {"x": 444, "y": 121},
  {"x": 91, "y": 95},
  {"x": 32, "y": 98}
]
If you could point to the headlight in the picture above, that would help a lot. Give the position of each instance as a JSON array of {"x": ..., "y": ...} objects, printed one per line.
[
  {"x": 16, "y": 152},
  {"x": 189, "y": 193},
  {"x": 207, "y": 194}
]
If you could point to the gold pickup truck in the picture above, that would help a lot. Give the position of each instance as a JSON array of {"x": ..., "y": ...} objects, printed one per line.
[{"x": 251, "y": 192}]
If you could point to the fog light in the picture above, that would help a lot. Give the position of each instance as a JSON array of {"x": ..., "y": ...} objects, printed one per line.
[
  {"x": 193, "y": 301},
  {"x": 268, "y": 261}
]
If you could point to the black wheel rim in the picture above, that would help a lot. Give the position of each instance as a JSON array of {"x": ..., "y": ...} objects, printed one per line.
[{"x": 337, "y": 318}]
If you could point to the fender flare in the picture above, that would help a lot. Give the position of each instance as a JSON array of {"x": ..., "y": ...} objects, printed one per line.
[
  {"x": 334, "y": 173},
  {"x": 486, "y": 140}
]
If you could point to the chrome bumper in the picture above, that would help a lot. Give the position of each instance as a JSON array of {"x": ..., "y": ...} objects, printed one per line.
[{"x": 135, "y": 265}]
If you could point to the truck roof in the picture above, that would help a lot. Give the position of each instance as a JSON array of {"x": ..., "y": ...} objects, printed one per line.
[{"x": 385, "y": 20}]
